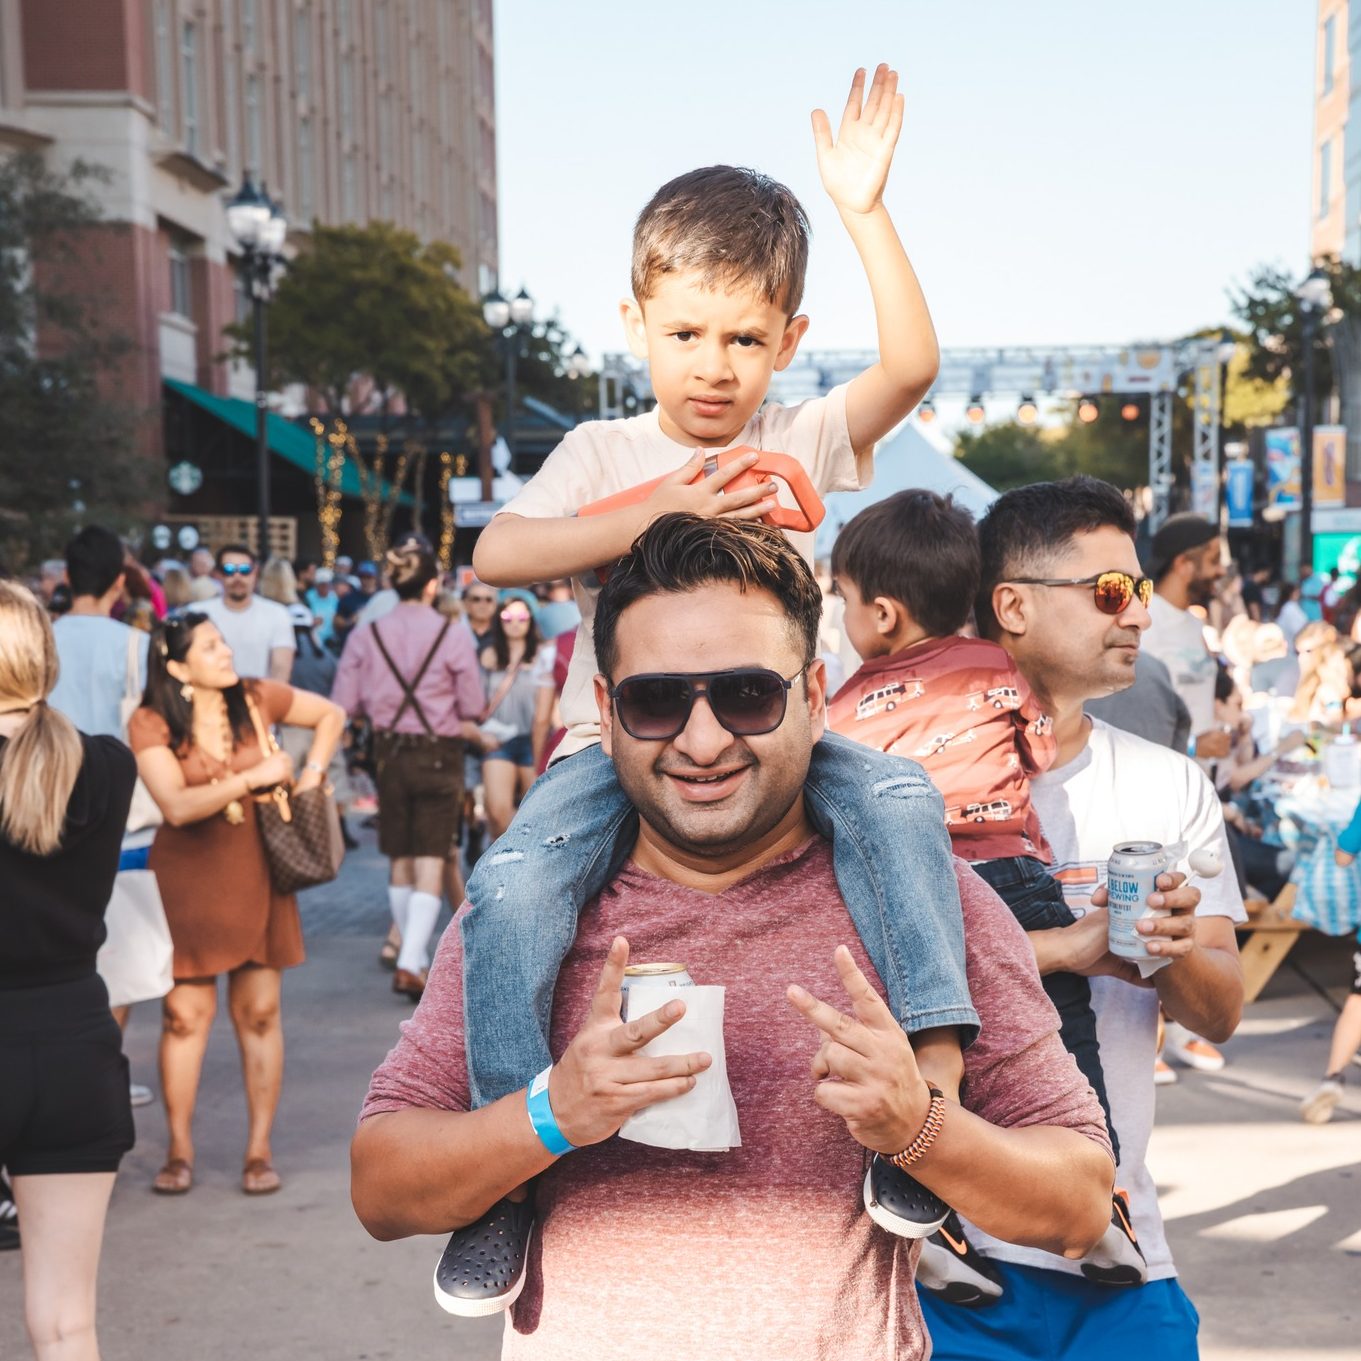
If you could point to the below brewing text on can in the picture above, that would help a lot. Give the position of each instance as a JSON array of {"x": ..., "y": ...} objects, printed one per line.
[{"x": 1130, "y": 878}]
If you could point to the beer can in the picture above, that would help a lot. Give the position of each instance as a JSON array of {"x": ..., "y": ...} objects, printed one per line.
[
  {"x": 1130, "y": 876},
  {"x": 664, "y": 975}
]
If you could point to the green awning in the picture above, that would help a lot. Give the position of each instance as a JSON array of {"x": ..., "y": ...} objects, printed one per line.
[{"x": 289, "y": 441}]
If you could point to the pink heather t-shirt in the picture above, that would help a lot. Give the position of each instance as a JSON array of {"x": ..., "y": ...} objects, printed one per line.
[{"x": 764, "y": 1251}]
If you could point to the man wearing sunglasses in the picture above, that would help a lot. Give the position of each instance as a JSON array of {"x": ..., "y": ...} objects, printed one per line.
[
  {"x": 1062, "y": 592},
  {"x": 259, "y": 632},
  {"x": 711, "y": 700}
]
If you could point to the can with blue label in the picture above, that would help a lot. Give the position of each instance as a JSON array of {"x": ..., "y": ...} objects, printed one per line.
[{"x": 1130, "y": 877}]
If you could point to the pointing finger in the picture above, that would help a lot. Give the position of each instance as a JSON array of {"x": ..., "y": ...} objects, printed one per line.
[
  {"x": 836, "y": 1026},
  {"x": 634, "y": 1034},
  {"x": 609, "y": 998},
  {"x": 871, "y": 1009}
]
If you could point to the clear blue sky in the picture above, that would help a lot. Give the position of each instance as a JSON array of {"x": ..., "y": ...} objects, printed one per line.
[{"x": 1069, "y": 171}]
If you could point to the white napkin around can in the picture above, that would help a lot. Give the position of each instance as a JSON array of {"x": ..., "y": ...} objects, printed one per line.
[{"x": 704, "y": 1119}]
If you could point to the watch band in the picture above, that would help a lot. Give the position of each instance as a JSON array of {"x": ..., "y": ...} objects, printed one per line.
[{"x": 927, "y": 1135}]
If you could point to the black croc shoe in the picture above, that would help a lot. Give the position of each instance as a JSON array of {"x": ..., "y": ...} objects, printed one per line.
[
  {"x": 951, "y": 1268},
  {"x": 482, "y": 1270},
  {"x": 901, "y": 1204},
  {"x": 1117, "y": 1259}
]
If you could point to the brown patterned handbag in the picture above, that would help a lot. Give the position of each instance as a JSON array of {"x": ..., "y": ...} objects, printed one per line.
[{"x": 301, "y": 832}]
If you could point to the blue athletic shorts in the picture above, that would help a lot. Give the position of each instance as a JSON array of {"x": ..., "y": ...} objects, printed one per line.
[{"x": 1051, "y": 1316}]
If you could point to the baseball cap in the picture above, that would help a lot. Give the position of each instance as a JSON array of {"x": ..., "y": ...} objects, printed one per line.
[
  {"x": 300, "y": 616},
  {"x": 366, "y": 569},
  {"x": 1179, "y": 534},
  {"x": 323, "y": 574}
]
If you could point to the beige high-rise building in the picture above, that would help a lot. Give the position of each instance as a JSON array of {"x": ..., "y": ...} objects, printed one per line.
[
  {"x": 348, "y": 110},
  {"x": 1329, "y": 227}
]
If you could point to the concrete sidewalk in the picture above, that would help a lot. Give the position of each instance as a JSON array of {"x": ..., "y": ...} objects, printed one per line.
[{"x": 1264, "y": 1212}]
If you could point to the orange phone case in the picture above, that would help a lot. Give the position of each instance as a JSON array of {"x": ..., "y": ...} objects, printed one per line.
[{"x": 806, "y": 518}]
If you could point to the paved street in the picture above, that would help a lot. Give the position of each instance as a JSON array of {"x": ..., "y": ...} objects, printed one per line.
[{"x": 1265, "y": 1213}]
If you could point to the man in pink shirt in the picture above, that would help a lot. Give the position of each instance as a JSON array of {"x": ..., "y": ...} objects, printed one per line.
[{"x": 763, "y": 1249}]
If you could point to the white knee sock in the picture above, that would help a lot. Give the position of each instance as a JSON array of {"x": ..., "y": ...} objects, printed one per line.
[
  {"x": 399, "y": 895},
  {"x": 421, "y": 912}
]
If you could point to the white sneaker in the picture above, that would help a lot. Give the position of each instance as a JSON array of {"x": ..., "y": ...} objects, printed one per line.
[
  {"x": 139, "y": 1095},
  {"x": 1317, "y": 1108},
  {"x": 1164, "y": 1075},
  {"x": 1191, "y": 1050}
]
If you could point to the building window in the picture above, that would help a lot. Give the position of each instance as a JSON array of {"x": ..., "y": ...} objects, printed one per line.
[
  {"x": 181, "y": 299},
  {"x": 165, "y": 67},
  {"x": 248, "y": 25},
  {"x": 254, "y": 134},
  {"x": 302, "y": 57},
  {"x": 1329, "y": 52},
  {"x": 305, "y": 170},
  {"x": 189, "y": 85},
  {"x": 230, "y": 108},
  {"x": 1325, "y": 177}
]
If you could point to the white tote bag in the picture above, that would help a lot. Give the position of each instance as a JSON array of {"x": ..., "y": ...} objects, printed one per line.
[
  {"x": 144, "y": 811},
  {"x": 136, "y": 961}
]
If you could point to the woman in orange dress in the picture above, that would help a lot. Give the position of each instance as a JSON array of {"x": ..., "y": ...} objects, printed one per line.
[{"x": 199, "y": 756}]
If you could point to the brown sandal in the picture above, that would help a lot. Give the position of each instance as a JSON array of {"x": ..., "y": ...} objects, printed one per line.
[
  {"x": 387, "y": 956},
  {"x": 258, "y": 1178},
  {"x": 175, "y": 1178}
]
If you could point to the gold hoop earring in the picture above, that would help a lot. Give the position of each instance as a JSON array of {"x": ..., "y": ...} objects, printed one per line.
[{"x": 186, "y": 692}]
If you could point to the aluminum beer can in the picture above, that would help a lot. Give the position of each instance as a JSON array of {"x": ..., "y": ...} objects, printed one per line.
[
  {"x": 664, "y": 975},
  {"x": 1130, "y": 876}
]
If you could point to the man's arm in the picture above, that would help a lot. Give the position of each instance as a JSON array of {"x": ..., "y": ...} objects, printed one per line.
[
  {"x": 1203, "y": 986},
  {"x": 281, "y": 663},
  {"x": 420, "y": 1170},
  {"x": 1042, "y": 1186},
  {"x": 519, "y": 550},
  {"x": 854, "y": 171}
]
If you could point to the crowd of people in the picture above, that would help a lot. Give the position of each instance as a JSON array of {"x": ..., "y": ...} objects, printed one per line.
[{"x": 909, "y": 988}]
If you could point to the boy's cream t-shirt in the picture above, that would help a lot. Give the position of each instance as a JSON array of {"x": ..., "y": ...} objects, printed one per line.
[{"x": 600, "y": 458}]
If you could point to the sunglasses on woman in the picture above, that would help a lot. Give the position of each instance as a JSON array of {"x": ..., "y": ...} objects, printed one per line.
[
  {"x": 747, "y": 701},
  {"x": 1112, "y": 592},
  {"x": 514, "y": 616}
]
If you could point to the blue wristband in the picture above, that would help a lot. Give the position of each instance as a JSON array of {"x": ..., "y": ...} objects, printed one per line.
[{"x": 542, "y": 1118}]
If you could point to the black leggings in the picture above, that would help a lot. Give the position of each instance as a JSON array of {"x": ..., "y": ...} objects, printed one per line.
[
  {"x": 1036, "y": 900},
  {"x": 63, "y": 1080}
]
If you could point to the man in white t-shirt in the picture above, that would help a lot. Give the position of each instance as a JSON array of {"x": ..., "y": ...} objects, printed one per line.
[
  {"x": 1187, "y": 563},
  {"x": 1061, "y": 591},
  {"x": 259, "y": 632}
]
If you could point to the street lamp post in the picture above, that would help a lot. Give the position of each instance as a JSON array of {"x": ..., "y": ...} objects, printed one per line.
[
  {"x": 1315, "y": 297},
  {"x": 258, "y": 226},
  {"x": 1224, "y": 353},
  {"x": 510, "y": 322}
]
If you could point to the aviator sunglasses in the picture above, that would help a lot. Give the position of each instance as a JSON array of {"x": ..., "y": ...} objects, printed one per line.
[
  {"x": 747, "y": 701},
  {"x": 237, "y": 569},
  {"x": 1111, "y": 591}
]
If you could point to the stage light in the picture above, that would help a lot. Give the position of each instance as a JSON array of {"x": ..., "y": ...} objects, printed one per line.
[
  {"x": 1130, "y": 411},
  {"x": 1087, "y": 411},
  {"x": 974, "y": 412},
  {"x": 1027, "y": 413}
]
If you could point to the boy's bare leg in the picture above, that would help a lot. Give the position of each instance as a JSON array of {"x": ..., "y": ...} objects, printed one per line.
[{"x": 940, "y": 1058}]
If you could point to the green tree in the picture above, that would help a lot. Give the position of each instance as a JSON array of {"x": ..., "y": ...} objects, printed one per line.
[
  {"x": 68, "y": 453},
  {"x": 1010, "y": 455},
  {"x": 375, "y": 300}
]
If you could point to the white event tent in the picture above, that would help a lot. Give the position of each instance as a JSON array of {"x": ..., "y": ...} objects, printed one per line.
[{"x": 905, "y": 459}]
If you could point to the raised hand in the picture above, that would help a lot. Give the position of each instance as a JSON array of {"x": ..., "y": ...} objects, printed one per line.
[
  {"x": 707, "y": 496},
  {"x": 854, "y": 168},
  {"x": 865, "y": 1069},
  {"x": 601, "y": 1079}
]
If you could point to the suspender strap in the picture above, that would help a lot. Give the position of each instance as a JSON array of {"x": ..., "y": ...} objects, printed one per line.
[{"x": 409, "y": 691}]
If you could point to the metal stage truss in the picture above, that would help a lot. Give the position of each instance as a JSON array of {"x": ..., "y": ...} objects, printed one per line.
[{"x": 1156, "y": 370}]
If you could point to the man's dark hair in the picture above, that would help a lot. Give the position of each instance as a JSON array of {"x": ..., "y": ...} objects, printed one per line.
[
  {"x": 94, "y": 561},
  {"x": 238, "y": 548},
  {"x": 678, "y": 553},
  {"x": 412, "y": 566},
  {"x": 733, "y": 226},
  {"x": 917, "y": 548},
  {"x": 1025, "y": 529}
]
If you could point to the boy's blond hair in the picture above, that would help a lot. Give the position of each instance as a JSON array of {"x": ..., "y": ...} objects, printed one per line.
[{"x": 732, "y": 226}]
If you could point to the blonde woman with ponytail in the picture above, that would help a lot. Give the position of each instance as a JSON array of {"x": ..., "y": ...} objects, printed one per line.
[{"x": 64, "y": 800}]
